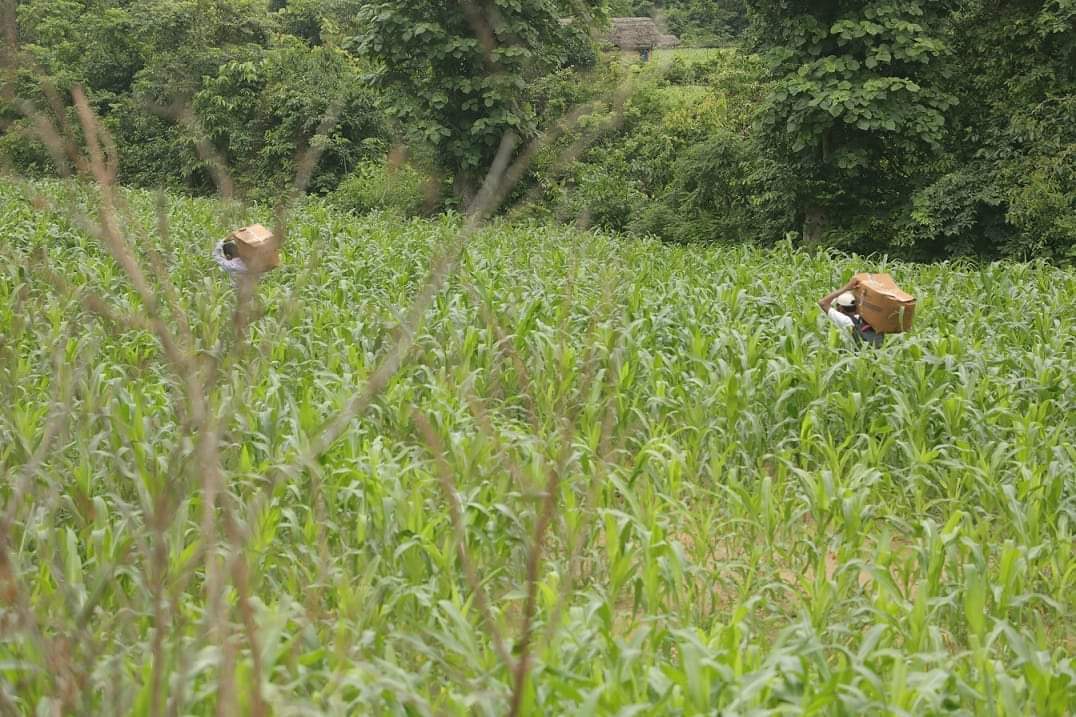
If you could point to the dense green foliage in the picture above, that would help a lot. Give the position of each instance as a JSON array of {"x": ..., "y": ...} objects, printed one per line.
[
  {"x": 705, "y": 23},
  {"x": 750, "y": 517},
  {"x": 166, "y": 75},
  {"x": 456, "y": 74},
  {"x": 1005, "y": 180},
  {"x": 850, "y": 148},
  {"x": 922, "y": 130},
  {"x": 394, "y": 186},
  {"x": 678, "y": 160},
  {"x": 864, "y": 113},
  {"x": 698, "y": 23},
  {"x": 857, "y": 96}
]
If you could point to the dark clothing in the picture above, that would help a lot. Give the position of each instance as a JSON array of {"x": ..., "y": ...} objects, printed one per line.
[{"x": 865, "y": 333}]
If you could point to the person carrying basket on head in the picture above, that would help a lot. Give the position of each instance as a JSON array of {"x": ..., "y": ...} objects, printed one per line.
[{"x": 842, "y": 308}]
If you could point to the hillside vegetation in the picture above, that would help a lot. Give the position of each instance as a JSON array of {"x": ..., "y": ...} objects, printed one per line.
[
  {"x": 652, "y": 475},
  {"x": 925, "y": 130}
]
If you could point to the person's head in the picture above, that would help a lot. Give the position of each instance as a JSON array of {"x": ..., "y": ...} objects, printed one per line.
[{"x": 846, "y": 303}]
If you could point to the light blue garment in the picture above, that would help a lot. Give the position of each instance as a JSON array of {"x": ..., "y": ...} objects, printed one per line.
[{"x": 232, "y": 266}]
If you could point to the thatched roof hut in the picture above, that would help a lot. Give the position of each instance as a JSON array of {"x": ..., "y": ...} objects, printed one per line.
[
  {"x": 667, "y": 42},
  {"x": 634, "y": 33}
]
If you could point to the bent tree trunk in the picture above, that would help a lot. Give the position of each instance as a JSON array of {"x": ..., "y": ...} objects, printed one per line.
[
  {"x": 814, "y": 225},
  {"x": 815, "y": 218},
  {"x": 463, "y": 186}
]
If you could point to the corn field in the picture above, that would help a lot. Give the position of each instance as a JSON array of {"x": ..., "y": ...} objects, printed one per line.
[{"x": 588, "y": 476}]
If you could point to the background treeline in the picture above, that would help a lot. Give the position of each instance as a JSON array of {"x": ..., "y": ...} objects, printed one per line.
[
  {"x": 924, "y": 129},
  {"x": 698, "y": 23},
  {"x": 252, "y": 82}
]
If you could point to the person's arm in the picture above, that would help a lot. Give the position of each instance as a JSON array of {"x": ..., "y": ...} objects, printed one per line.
[
  {"x": 826, "y": 301},
  {"x": 845, "y": 322},
  {"x": 232, "y": 266}
]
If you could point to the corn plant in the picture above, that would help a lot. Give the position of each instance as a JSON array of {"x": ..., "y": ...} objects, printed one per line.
[{"x": 605, "y": 476}]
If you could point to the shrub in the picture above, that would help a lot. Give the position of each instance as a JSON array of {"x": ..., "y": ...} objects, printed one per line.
[
  {"x": 576, "y": 49},
  {"x": 679, "y": 72},
  {"x": 722, "y": 190},
  {"x": 377, "y": 185},
  {"x": 165, "y": 75},
  {"x": 605, "y": 199},
  {"x": 676, "y": 163}
]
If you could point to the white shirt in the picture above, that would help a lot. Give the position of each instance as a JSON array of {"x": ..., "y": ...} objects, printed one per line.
[
  {"x": 232, "y": 266},
  {"x": 842, "y": 320}
]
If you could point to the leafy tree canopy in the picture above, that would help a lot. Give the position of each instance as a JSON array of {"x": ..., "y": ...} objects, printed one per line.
[
  {"x": 858, "y": 92},
  {"x": 455, "y": 74}
]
